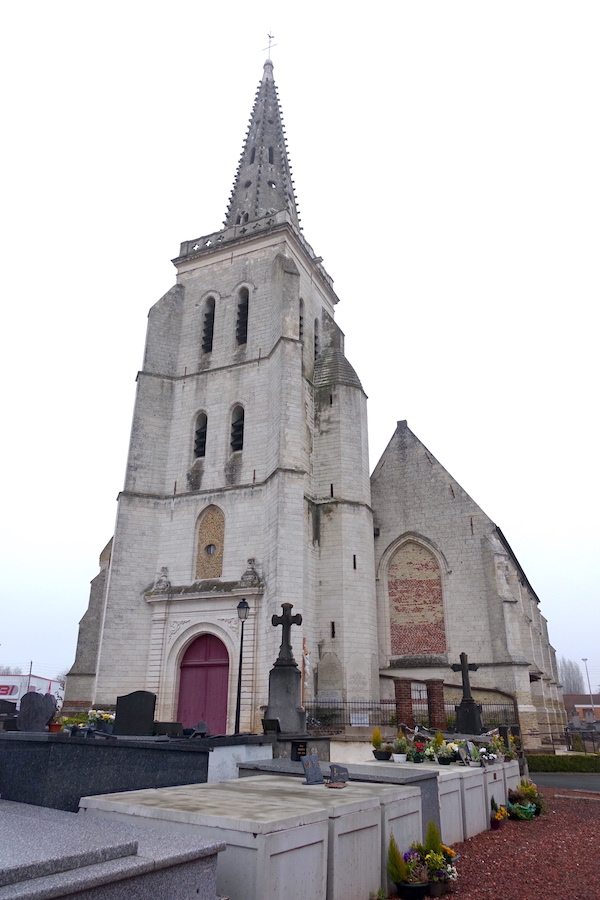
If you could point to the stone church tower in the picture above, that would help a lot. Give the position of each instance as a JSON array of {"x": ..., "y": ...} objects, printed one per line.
[
  {"x": 248, "y": 478},
  {"x": 247, "y": 474}
]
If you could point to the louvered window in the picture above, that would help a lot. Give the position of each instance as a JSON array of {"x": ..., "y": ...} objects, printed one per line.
[
  {"x": 316, "y": 338},
  {"x": 200, "y": 436},
  {"x": 241, "y": 329},
  {"x": 208, "y": 326},
  {"x": 237, "y": 429}
]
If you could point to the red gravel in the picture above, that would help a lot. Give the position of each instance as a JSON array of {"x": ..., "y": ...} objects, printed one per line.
[{"x": 555, "y": 856}]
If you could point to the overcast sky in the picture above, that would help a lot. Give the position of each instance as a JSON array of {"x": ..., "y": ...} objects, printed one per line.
[{"x": 446, "y": 160}]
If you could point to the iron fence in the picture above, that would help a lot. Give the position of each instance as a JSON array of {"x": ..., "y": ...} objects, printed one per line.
[{"x": 332, "y": 718}]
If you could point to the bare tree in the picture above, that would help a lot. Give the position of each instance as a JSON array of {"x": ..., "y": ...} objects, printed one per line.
[
  {"x": 570, "y": 676},
  {"x": 10, "y": 670}
]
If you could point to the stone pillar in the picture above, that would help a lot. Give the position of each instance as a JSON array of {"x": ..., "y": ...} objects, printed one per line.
[
  {"x": 404, "y": 708},
  {"x": 435, "y": 703}
]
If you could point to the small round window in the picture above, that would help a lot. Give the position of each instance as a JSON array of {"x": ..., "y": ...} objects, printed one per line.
[
  {"x": 210, "y": 549},
  {"x": 247, "y": 184}
]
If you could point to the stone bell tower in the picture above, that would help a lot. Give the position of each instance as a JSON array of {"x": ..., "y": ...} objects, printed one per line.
[{"x": 247, "y": 476}]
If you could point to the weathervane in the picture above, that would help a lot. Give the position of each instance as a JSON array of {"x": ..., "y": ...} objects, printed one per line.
[{"x": 271, "y": 38}]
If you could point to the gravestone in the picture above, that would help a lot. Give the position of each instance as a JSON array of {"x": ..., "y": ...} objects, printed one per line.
[
  {"x": 285, "y": 680},
  {"x": 8, "y": 715},
  {"x": 338, "y": 775},
  {"x": 36, "y": 711},
  {"x": 312, "y": 770},
  {"x": 135, "y": 713},
  {"x": 468, "y": 713}
]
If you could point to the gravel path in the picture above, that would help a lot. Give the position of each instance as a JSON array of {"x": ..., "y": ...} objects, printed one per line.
[{"x": 554, "y": 857}]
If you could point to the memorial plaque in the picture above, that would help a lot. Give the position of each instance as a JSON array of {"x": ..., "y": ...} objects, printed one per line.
[
  {"x": 312, "y": 770},
  {"x": 339, "y": 774},
  {"x": 298, "y": 750}
]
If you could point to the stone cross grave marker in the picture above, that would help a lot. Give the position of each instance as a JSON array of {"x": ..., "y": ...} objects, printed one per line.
[
  {"x": 468, "y": 713},
  {"x": 286, "y": 620}
]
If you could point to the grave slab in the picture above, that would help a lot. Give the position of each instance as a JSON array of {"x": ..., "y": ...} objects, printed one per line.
[
  {"x": 422, "y": 776},
  {"x": 274, "y": 851},
  {"x": 400, "y": 812},
  {"x": 53, "y": 854}
]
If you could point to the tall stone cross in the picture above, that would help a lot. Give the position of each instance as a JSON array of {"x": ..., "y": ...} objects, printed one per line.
[
  {"x": 286, "y": 620},
  {"x": 465, "y": 667}
]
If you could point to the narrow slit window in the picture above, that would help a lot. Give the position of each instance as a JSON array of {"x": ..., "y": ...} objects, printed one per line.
[
  {"x": 237, "y": 429},
  {"x": 252, "y": 155},
  {"x": 208, "y": 326},
  {"x": 241, "y": 329},
  {"x": 271, "y": 155},
  {"x": 200, "y": 437}
]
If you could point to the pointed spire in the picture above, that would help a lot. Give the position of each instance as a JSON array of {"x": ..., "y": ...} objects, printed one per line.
[{"x": 263, "y": 183}]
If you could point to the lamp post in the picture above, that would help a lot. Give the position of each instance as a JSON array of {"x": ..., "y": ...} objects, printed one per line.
[
  {"x": 242, "y": 610},
  {"x": 584, "y": 661}
]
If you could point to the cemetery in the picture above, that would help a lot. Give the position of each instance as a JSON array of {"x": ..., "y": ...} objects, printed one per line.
[{"x": 132, "y": 805}]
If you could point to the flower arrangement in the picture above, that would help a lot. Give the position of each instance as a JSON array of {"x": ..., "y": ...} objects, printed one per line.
[
  {"x": 418, "y": 754},
  {"x": 400, "y": 744},
  {"x": 487, "y": 755},
  {"x": 526, "y": 801},
  {"x": 423, "y": 863},
  {"x": 446, "y": 751},
  {"x": 99, "y": 717}
]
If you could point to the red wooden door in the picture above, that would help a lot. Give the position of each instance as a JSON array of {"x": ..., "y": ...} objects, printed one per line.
[{"x": 203, "y": 684}]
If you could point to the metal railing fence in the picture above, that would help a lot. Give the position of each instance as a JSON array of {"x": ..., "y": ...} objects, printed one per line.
[{"x": 333, "y": 717}]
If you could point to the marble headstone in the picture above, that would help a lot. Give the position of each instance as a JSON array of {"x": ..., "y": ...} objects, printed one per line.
[{"x": 135, "y": 713}]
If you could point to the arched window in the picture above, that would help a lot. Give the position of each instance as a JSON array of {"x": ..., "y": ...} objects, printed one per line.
[
  {"x": 211, "y": 537},
  {"x": 241, "y": 328},
  {"x": 316, "y": 338},
  {"x": 237, "y": 429},
  {"x": 208, "y": 325},
  {"x": 301, "y": 321},
  {"x": 200, "y": 437}
]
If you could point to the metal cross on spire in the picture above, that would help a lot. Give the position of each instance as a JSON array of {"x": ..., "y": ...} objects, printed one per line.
[{"x": 268, "y": 49}]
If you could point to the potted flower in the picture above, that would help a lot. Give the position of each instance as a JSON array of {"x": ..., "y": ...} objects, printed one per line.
[
  {"x": 381, "y": 751},
  {"x": 487, "y": 755},
  {"x": 419, "y": 752},
  {"x": 475, "y": 759},
  {"x": 408, "y": 872},
  {"x": 101, "y": 720},
  {"x": 400, "y": 748},
  {"x": 445, "y": 754},
  {"x": 499, "y": 814}
]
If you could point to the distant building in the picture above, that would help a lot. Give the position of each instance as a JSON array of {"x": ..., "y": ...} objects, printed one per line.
[
  {"x": 582, "y": 709},
  {"x": 248, "y": 477}
]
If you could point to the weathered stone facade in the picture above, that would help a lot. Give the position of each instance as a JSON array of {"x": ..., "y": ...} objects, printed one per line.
[{"x": 248, "y": 477}]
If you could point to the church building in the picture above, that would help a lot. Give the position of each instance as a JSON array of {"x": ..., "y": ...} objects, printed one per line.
[{"x": 248, "y": 479}]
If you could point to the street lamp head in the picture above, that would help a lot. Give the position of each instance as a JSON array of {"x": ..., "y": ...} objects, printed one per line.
[{"x": 242, "y": 610}]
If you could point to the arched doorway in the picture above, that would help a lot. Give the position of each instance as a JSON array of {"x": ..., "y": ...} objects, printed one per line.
[{"x": 203, "y": 684}]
